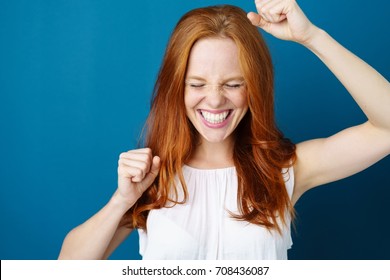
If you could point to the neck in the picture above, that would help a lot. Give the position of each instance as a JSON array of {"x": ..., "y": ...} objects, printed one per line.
[{"x": 213, "y": 155}]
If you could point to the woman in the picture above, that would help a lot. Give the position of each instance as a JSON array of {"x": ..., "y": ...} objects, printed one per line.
[{"x": 218, "y": 180}]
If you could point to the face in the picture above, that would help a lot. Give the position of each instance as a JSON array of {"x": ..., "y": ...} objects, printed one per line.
[{"x": 215, "y": 95}]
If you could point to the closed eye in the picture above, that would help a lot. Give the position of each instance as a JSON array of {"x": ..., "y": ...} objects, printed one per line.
[
  {"x": 193, "y": 84},
  {"x": 196, "y": 85},
  {"x": 233, "y": 86}
]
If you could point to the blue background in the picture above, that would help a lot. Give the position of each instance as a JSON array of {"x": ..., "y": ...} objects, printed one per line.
[{"x": 75, "y": 84}]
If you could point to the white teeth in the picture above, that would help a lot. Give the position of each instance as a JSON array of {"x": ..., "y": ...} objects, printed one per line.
[{"x": 214, "y": 118}]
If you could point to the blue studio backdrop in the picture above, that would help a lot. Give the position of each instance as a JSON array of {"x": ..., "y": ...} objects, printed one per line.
[{"x": 76, "y": 78}]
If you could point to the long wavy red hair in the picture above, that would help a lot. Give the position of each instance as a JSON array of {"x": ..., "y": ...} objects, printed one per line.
[{"x": 261, "y": 151}]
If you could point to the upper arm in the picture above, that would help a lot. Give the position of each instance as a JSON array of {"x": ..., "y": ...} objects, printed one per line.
[
  {"x": 350, "y": 151},
  {"x": 120, "y": 235}
]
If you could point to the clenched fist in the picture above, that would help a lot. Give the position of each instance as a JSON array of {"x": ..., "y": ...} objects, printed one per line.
[
  {"x": 283, "y": 19},
  {"x": 137, "y": 170}
]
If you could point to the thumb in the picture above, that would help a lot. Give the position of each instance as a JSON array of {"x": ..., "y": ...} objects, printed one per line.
[
  {"x": 258, "y": 21},
  {"x": 154, "y": 169}
]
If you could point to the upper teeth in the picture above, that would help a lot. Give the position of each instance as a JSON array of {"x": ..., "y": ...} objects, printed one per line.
[{"x": 214, "y": 118}]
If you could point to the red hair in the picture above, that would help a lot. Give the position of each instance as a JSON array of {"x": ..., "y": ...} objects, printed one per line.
[{"x": 260, "y": 152}]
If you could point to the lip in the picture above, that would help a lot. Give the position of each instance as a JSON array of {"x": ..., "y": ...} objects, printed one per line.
[{"x": 215, "y": 125}]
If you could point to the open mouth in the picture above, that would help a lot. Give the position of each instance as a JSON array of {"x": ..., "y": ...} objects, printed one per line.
[{"x": 215, "y": 118}]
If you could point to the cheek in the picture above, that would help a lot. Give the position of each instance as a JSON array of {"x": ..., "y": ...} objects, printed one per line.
[
  {"x": 240, "y": 101},
  {"x": 191, "y": 100}
]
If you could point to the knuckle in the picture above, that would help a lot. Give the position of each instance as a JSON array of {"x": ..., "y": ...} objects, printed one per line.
[
  {"x": 144, "y": 166},
  {"x": 138, "y": 173},
  {"x": 148, "y": 150},
  {"x": 124, "y": 155},
  {"x": 122, "y": 162},
  {"x": 146, "y": 160},
  {"x": 274, "y": 10}
]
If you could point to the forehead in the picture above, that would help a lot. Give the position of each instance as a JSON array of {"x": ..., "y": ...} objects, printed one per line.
[{"x": 214, "y": 57}]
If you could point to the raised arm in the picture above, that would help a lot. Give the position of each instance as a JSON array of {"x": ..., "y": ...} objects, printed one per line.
[
  {"x": 325, "y": 160},
  {"x": 100, "y": 235}
]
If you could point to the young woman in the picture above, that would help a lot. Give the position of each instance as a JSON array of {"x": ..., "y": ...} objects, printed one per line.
[{"x": 218, "y": 180}]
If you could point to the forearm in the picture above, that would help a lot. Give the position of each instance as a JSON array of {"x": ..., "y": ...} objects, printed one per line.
[
  {"x": 369, "y": 89},
  {"x": 100, "y": 235},
  {"x": 91, "y": 239}
]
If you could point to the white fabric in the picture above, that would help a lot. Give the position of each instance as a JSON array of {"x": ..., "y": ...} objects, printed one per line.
[{"x": 202, "y": 228}]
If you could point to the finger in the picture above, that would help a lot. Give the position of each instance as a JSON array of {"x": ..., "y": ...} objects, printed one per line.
[
  {"x": 142, "y": 165},
  {"x": 134, "y": 153},
  {"x": 141, "y": 156},
  {"x": 256, "y": 19},
  {"x": 259, "y": 3},
  {"x": 278, "y": 11},
  {"x": 259, "y": 21},
  {"x": 272, "y": 11},
  {"x": 135, "y": 174},
  {"x": 261, "y": 10},
  {"x": 155, "y": 168},
  {"x": 142, "y": 151}
]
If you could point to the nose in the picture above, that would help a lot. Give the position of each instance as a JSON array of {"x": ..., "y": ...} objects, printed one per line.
[{"x": 215, "y": 97}]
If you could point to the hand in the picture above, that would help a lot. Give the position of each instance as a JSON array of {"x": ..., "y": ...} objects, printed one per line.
[
  {"x": 282, "y": 19},
  {"x": 137, "y": 170}
]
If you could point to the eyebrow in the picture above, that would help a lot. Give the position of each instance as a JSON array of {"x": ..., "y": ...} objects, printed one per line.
[{"x": 198, "y": 78}]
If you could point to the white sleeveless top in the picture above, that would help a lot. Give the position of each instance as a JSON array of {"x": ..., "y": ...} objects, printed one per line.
[{"x": 202, "y": 228}]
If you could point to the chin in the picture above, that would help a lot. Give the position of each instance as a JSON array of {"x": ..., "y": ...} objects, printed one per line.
[{"x": 214, "y": 138}]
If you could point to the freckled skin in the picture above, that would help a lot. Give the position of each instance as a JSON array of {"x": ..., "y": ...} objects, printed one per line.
[{"x": 214, "y": 61}]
